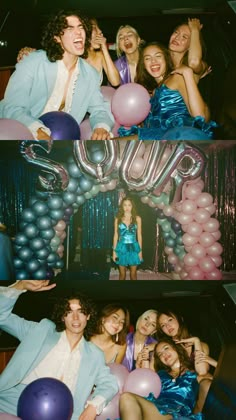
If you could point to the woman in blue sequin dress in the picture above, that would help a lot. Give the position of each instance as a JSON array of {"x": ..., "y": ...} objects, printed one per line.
[
  {"x": 127, "y": 240},
  {"x": 179, "y": 388},
  {"x": 176, "y": 100}
]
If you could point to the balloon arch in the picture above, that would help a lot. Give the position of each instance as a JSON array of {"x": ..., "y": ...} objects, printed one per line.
[{"x": 165, "y": 175}]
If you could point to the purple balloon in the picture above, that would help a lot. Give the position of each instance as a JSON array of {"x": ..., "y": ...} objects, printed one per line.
[
  {"x": 142, "y": 382},
  {"x": 14, "y": 130},
  {"x": 120, "y": 372},
  {"x": 62, "y": 125},
  {"x": 45, "y": 399},
  {"x": 5, "y": 416}
]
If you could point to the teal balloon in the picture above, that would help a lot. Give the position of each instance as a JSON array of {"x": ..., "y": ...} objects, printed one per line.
[
  {"x": 32, "y": 265},
  {"x": 179, "y": 239},
  {"x": 22, "y": 275},
  {"x": 73, "y": 185},
  {"x": 73, "y": 170},
  {"x": 85, "y": 184},
  {"x": 21, "y": 239},
  {"x": 47, "y": 234},
  {"x": 25, "y": 253},
  {"x": 97, "y": 156},
  {"x": 40, "y": 274},
  {"x": 55, "y": 241},
  {"x": 28, "y": 215},
  {"x": 170, "y": 242},
  {"x": 166, "y": 227},
  {"x": 52, "y": 257},
  {"x": 18, "y": 263},
  {"x": 43, "y": 253},
  {"x": 40, "y": 208},
  {"x": 55, "y": 202},
  {"x": 44, "y": 222},
  {"x": 69, "y": 197},
  {"x": 36, "y": 244},
  {"x": 56, "y": 214},
  {"x": 80, "y": 200},
  {"x": 59, "y": 264},
  {"x": 31, "y": 231}
]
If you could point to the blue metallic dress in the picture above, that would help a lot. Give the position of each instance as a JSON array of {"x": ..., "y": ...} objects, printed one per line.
[
  {"x": 168, "y": 110},
  {"x": 127, "y": 248},
  {"x": 178, "y": 396}
]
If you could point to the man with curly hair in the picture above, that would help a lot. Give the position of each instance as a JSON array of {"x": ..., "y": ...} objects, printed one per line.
[
  {"x": 58, "y": 79},
  {"x": 56, "y": 349}
]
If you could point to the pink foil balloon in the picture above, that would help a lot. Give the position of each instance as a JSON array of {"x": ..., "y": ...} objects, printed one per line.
[
  {"x": 202, "y": 215},
  {"x": 204, "y": 200}
]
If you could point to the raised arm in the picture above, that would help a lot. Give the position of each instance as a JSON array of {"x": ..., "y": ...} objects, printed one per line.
[
  {"x": 195, "y": 49},
  {"x": 188, "y": 88},
  {"x": 110, "y": 69},
  {"x": 201, "y": 367}
]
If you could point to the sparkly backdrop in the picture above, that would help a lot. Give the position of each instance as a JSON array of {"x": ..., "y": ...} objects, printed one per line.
[{"x": 18, "y": 184}]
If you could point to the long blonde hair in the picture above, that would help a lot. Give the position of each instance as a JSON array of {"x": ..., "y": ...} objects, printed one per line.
[{"x": 119, "y": 52}]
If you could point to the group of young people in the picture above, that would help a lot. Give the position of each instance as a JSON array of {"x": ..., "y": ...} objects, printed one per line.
[
  {"x": 77, "y": 345},
  {"x": 67, "y": 75}
]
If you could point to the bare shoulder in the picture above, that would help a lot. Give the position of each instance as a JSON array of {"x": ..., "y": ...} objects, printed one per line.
[{"x": 205, "y": 347}]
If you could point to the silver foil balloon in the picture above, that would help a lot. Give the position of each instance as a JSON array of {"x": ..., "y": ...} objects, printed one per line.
[
  {"x": 59, "y": 175},
  {"x": 100, "y": 171}
]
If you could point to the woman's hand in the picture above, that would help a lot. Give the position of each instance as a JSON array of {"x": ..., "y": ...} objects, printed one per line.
[
  {"x": 114, "y": 255},
  {"x": 24, "y": 52},
  {"x": 202, "y": 357},
  {"x": 194, "y": 23},
  {"x": 191, "y": 341}
]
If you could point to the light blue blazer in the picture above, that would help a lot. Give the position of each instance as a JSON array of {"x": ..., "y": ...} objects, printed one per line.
[
  {"x": 36, "y": 340},
  {"x": 32, "y": 83}
]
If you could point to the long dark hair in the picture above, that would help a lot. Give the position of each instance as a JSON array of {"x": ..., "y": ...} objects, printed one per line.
[
  {"x": 120, "y": 213},
  {"x": 108, "y": 310},
  {"x": 56, "y": 26},
  {"x": 142, "y": 76},
  {"x": 62, "y": 307},
  {"x": 183, "y": 331},
  {"x": 185, "y": 362}
]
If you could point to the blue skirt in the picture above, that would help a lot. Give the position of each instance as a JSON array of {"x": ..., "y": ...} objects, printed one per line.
[{"x": 127, "y": 254}]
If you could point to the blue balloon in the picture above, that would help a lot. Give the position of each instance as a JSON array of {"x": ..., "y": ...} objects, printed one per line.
[
  {"x": 28, "y": 216},
  {"x": 36, "y": 244},
  {"x": 25, "y": 253},
  {"x": 22, "y": 275},
  {"x": 47, "y": 233},
  {"x": 44, "y": 222},
  {"x": 56, "y": 214},
  {"x": 32, "y": 265},
  {"x": 184, "y": 133},
  {"x": 18, "y": 263},
  {"x": 55, "y": 202},
  {"x": 62, "y": 125},
  {"x": 31, "y": 231},
  {"x": 69, "y": 197},
  {"x": 40, "y": 274},
  {"x": 45, "y": 399},
  {"x": 42, "y": 254},
  {"x": 40, "y": 208},
  {"x": 73, "y": 170},
  {"x": 21, "y": 239}
]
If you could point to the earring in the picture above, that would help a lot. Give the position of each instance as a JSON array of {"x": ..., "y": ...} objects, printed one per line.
[{"x": 117, "y": 336}]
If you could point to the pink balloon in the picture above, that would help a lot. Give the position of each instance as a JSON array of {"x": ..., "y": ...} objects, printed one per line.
[
  {"x": 204, "y": 200},
  {"x": 142, "y": 382},
  {"x": 206, "y": 264},
  {"x": 185, "y": 219},
  {"x": 192, "y": 192},
  {"x": 189, "y": 206},
  {"x": 189, "y": 240},
  {"x": 85, "y": 130},
  {"x": 111, "y": 411},
  {"x": 14, "y": 130},
  {"x": 120, "y": 372},
  {"x": 168, "y": 211},
  {"x": 194, "y": 229},
  {"x": 217, "y": 260},
  {"x": 212, "y": 225},
  {"x": 61, "y": 225},
  {"x": 217, "y": 235},
  {"x": 198, "y": 251},
  {"x": 189, "y": 260},
  {"x": 211, "y": 209},
  {"x": 172, "y": 258},
  {"x": 202, "y": 215},
  {"x": 196, "y": 274},
  {"x": 215, "y": 249},
  {"x": 5, "y": 416},
  {"x": 130, "y": 104},
  {"x": 214, "y": 275},
  {"x": 137, "y": 167},
  {"x": 206, "y": 239}
]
